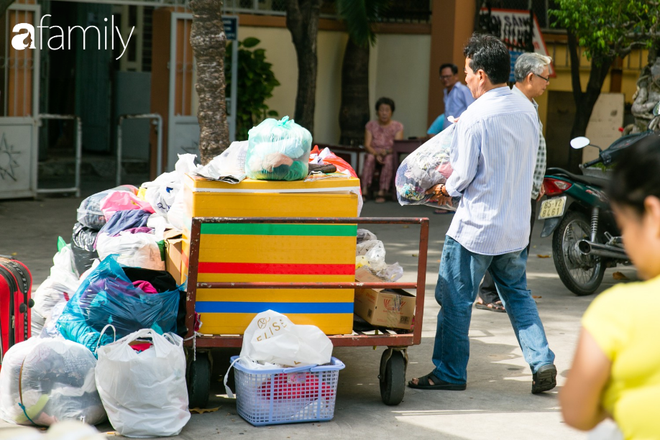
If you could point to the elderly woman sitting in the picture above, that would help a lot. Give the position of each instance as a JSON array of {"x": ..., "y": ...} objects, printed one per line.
[{"x": 379, "y": 137}]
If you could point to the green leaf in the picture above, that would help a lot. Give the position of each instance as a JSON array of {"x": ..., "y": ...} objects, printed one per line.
[{"x": 250, "y": 42}]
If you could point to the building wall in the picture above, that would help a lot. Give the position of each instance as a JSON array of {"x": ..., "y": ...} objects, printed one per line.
[{"x": 398, "y": 68}]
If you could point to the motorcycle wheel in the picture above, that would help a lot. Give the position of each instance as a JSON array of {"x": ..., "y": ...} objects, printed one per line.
[{"x": 581, "y": 274}]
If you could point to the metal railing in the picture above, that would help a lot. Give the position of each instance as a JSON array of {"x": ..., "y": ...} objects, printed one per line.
[
  {"x": 76, "y": 187},
  {"x": 159, "y": 148}
]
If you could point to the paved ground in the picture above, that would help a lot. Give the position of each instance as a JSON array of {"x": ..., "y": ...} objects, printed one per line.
[{"x": 497, "y": 404}]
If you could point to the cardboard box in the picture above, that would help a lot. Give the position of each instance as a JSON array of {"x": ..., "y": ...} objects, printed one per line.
[
  {"x": 173, "y": 253},
  {"x": 392, "y": 308}
]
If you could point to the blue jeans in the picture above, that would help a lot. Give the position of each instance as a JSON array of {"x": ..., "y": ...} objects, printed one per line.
[{"x": 461, "y": 272}]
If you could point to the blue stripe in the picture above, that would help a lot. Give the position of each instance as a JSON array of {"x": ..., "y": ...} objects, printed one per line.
[{"x": 280, "y": 307}]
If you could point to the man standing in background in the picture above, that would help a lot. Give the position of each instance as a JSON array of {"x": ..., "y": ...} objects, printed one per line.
[
  {"x": 532, "y": 74},
  {"x": 457, "y": 98}
]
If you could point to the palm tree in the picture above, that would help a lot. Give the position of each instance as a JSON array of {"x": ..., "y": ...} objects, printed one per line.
[
  {"x": 359, "y": 17},
  {"x": 208, "y": 41},
  {"x": 302, "y": 20}
]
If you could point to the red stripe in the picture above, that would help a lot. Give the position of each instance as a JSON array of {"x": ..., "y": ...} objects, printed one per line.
[{"x": 289, "y": 269}]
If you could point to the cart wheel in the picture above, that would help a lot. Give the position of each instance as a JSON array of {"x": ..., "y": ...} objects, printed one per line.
[
  {"x": 199, "y": 381},
  {"x": 392, "y": 377}
]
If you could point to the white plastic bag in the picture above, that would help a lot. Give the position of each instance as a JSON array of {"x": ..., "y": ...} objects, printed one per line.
[
  {"x": 272, "y": 337},
  {"x": 229, "y": 166},
  {"x": 135, "y": 250},
  {"x": 144, "y": 394}
]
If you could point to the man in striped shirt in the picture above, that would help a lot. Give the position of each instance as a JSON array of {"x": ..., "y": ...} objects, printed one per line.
[{"x": 493, "y": 167}]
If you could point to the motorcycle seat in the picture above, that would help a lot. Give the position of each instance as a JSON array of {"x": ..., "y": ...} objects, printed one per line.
[{"x": 588, "y": 180}]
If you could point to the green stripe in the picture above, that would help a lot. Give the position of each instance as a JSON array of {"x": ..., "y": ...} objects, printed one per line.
[{"x": 279, "y": 229}]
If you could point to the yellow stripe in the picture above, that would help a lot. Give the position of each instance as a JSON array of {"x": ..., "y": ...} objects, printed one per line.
[
  {"x": 276, "y": 295},
  {"x": 236, "y": 323},
  {"x": 277, "y": 249},
  {"x": 272, "y": 205},
  {"x": 332, "y": 182},
  {"x": 246, "y": 278}
]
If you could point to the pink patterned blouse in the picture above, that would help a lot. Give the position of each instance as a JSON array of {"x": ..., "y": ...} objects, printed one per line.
[{"x": 383, "y": 135}]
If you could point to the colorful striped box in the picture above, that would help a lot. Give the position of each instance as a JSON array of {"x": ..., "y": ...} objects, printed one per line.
[{"x": 250, "y": 252}]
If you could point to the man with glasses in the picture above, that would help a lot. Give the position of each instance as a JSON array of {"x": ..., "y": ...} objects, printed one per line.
[
  {"x": 531, "y": 72},
  {"x": 457, "y": 98}
]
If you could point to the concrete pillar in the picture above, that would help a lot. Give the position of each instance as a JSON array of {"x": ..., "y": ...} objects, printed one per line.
[{"x": 452, "y": 24}]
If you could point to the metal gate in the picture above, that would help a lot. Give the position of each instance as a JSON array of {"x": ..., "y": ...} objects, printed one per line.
[
  {"x": 182, "y": 124},
  {"x": 19, "y": 106}
]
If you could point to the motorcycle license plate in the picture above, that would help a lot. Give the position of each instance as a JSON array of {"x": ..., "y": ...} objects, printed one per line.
[{"x": 552, "y": 208}]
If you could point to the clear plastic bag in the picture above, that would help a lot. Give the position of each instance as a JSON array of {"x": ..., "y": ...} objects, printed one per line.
[
  {"x": 427, "y": 166},
  {"x": 108, "y": 296},
  {"x": 53, "y": 379},
  {"x": 370, "y": 253},
  {"x": 89, "y": 211},
  {"x": 278, "y": 150}
]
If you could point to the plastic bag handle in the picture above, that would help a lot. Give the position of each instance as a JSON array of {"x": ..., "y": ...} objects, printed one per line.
[
  {"x": 114, "y": 339},
  {"x": 283, "y": 121},
  {"x": 230, "y": 393}
]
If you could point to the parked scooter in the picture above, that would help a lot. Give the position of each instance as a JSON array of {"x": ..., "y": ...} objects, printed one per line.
[{"x": 586, "y": 239}]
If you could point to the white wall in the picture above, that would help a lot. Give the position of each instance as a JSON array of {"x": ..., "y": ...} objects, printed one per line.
[{"x": 399, "y": 68}]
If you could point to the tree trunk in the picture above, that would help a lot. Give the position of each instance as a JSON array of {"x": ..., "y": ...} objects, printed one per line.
[
  {"x": 354, "y": 112},
  {"x": 4, "y": 4},
  {"x": 302, "y": 20},
  {"x": 584, "y": 101},
  {"x": 208, "y": 41}
]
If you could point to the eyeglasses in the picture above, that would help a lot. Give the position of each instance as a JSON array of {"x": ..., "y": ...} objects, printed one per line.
[
  {"x": 543, "y": 77},
  {"x": 446, "y": 76}
]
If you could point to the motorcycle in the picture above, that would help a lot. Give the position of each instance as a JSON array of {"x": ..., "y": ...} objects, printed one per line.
[{"x": 585, "y": 236}]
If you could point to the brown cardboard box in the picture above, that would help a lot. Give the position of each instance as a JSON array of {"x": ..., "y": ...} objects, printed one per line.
[
  {"x": 173, "y": 249},
  {"x": 364, "y": 275},
  {"x": 393, "y": 308}
]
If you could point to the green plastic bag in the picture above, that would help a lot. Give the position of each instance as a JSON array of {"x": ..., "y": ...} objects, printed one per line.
[{"x": 278, "y": 150}]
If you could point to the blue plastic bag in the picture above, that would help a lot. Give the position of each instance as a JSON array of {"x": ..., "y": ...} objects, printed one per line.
[
  {"x": 278, "y": 150},
  {"x": 108, "y": 296}
]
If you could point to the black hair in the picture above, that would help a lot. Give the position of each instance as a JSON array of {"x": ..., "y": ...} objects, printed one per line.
[
  {"x": 453, "y": 67},
  {"x": 489, "y": 54},
  {"x": 387, "y": 101},
  {"x": 636, "y": 174}
]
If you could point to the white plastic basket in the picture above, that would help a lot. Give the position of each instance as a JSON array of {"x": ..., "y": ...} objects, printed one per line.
[{"x": 286, "y": 395}]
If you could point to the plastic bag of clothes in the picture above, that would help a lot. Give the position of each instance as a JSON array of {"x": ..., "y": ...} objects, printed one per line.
[
  {"x": 427, "y": 166},
  {"x": 128, "y": 298},
  {"x": 145, "y": 392},
  {"x": 44, "y": 381},
  {"x": 278, "y": 150},
  {"x": 89, "y": 211}
]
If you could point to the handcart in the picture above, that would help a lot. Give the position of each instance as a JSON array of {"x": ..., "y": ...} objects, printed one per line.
[{"x": 394, "y": 359}]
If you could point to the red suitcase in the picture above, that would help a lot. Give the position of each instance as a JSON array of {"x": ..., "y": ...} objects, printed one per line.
[{"x": 15, "y": 303}]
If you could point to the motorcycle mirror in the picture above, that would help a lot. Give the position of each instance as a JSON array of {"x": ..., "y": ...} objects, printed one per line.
[
  {"x": 656, "y": 109},
  {"x": 579, "y": 142}
]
